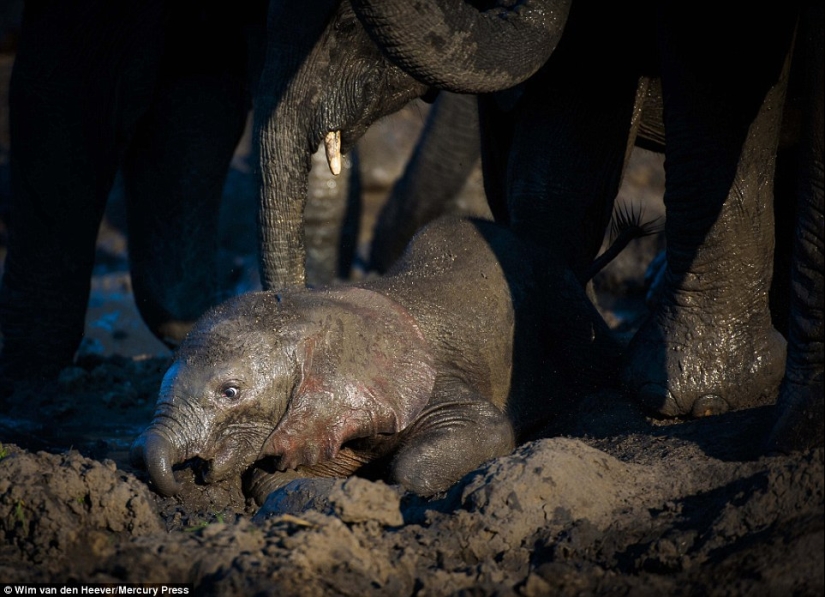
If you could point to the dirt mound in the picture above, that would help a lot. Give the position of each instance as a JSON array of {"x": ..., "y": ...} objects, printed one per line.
[{"x": 56, "y": 505}]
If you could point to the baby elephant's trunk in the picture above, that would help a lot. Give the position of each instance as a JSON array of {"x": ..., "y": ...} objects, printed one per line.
[{"x": 155, "y": 453}]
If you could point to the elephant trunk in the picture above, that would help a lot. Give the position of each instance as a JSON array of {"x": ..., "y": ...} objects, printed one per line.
[
  {"x": 284, "y": 170},
  {"x": 285, "y": 126},
  {"x": 451, "y": 45},
  {"x": 154, "y": 452}
]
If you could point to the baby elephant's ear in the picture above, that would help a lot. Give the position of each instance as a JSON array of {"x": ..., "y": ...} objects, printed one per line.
[{"x": 365, "y": 369}]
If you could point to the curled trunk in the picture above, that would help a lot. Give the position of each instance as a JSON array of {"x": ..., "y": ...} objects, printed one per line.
[
  {"x": 157, "y": 455},
  {"x": 451, "y": 45}
]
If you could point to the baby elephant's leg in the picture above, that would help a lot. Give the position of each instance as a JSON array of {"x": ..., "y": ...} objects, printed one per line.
[
  {"x": 455, "y": 434},
  {"x": 262, "y": 480}
]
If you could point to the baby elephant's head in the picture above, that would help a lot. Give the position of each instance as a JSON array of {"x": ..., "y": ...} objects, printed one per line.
[{"x": 292, "y": 376}]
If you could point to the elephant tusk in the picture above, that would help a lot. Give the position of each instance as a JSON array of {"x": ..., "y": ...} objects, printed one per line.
[{"x": 332, "y": 143}]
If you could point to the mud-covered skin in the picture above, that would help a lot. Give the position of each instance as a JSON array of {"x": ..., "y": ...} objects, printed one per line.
[
  {"x": 710, "y": 344},
  {"x": 433, "y": 369}
]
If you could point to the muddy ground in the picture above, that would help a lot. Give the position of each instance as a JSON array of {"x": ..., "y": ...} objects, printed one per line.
[{"x": 608, "y": 501}]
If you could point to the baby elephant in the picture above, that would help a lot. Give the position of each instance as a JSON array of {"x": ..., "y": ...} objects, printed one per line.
[{"x": 422, "y": 375}]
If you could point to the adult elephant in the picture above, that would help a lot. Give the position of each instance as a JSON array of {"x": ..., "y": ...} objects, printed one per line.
[
  {"x": 554, "y": 148},
  {"x": 324, "y": 79}
]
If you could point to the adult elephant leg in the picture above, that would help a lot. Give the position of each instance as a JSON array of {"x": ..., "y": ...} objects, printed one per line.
[
  {"x": 444, "y": 156},
  {"x": 800, "y": 404},
  {"x": 174, "y": 173},
  {"x": 571, "y": 133},
  {"x": 74, "y": 98},
  {"x": 710, "y": 345}
]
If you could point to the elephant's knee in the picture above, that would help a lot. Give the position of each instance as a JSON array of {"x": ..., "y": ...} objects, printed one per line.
[{"x": 446, "y": 448}]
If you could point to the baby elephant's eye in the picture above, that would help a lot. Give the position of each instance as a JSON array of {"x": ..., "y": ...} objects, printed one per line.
[{"x": 230, "y": 392}]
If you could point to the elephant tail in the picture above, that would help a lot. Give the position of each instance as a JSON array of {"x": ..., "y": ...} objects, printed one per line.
[{"x": 626, "y": 225}]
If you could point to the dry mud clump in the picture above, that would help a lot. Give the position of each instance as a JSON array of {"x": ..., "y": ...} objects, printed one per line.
[
  {"x": 688, "y": 508},
  {"x": 59, "y": 505}
]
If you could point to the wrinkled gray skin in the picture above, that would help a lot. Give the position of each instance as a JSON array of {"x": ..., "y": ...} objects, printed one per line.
[
  {"x": 554, "y": 149},
  {"x": 413, "y": 373}
]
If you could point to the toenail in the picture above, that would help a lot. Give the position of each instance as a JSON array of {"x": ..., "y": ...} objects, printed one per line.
[{"x": 709, "y": 405}]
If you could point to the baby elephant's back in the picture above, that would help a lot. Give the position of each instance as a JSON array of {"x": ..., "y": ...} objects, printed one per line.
[{"x": 464, "y": 281}]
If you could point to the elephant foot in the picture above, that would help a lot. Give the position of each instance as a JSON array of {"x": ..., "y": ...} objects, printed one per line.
[
  {"x": 260, "y": 483},
  {"x": 691, "y": 362},
  {"x": 296, "y": 497},
  {"x": 800, "y": 422},
  {"x": 263, "y": 479}
]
